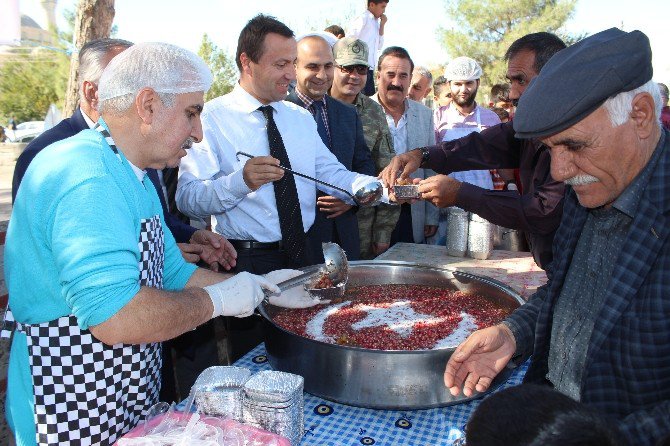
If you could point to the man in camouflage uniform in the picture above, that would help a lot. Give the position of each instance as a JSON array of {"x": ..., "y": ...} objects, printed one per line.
[{"x": 375, "y": 224}]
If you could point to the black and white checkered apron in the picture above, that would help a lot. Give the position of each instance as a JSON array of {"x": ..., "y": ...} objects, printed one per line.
[{"x": 86, "y": 392}]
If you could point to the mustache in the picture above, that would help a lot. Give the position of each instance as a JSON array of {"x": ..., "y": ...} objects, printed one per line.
[
  {"x": 581, "y": 180},
  {"x": 394, "y": 87},
  {"x": 188, "y": 144}
]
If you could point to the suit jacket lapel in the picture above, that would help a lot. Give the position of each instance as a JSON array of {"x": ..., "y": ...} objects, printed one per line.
[
  {"x": 413, "y": 126},
  {"x": 333, "y": 125}
]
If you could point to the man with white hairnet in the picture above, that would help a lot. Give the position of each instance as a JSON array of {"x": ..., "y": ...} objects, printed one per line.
[
  {"x": 458, "y": 119},
  {"x": 96, "y": 281}
]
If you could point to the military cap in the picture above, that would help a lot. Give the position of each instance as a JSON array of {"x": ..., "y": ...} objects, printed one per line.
[
  {"x": 579, "y": 79},
  {"x": 350, "y": 51}
]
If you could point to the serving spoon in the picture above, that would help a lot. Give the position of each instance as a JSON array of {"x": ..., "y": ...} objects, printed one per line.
[
  {"x": 336, "y": 268},
  {"x": 365, "y": 196}
]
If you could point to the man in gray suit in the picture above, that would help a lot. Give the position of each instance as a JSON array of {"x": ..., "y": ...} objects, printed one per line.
[
  {"x": 411, "y": 125},
  {"x": 341, "y": 131}
]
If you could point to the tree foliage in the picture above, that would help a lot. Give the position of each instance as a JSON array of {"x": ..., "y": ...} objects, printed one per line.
[
  {"x": 484, "y": 29},
  {"x": 93, "y": 20},
  {"x": 31, "y": 83},
  {"x": 223, "y": 68}
]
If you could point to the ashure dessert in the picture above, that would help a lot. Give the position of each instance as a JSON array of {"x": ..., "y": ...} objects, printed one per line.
[
  {"x": 403, "y": 181},
  {"x": 395, "y": 317}
]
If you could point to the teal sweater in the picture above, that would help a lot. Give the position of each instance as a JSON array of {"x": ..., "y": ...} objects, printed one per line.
[{"x": 72, "y": 248}]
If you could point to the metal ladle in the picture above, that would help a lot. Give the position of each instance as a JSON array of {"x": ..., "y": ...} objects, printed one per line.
[
  {"x": 336, "y": 267},
  {"x": 365, "y": 196}
]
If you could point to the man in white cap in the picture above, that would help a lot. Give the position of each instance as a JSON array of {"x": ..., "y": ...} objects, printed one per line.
[
  {"x": 458, "y": 119},
  {"x": 96, "y": 280}
]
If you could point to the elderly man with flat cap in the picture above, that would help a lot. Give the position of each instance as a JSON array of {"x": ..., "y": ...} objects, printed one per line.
[{"x": 598, "y": 331}]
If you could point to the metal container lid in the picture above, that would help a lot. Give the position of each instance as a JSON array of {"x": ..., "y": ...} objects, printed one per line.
[{"x": 274, "y": 387}]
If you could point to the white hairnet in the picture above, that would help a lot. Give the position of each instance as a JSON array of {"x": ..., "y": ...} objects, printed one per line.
[
  {"x": 463, "y": 69},
  {"x": 163, "y": 67}
]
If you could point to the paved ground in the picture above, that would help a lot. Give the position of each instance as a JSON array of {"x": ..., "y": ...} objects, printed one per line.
[{"x": 8, "y": 155}]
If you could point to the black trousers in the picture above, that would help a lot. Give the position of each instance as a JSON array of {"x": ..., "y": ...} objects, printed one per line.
[
  {"x": 246, "y": 333},
  {"x": 403, "y": 232},
  {"x": 184, "y": 359}
]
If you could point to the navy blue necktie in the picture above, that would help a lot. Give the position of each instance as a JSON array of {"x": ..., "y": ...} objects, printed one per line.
[
  {"x": 320, "y": 118},
  {"x": 286, "y": 194}
]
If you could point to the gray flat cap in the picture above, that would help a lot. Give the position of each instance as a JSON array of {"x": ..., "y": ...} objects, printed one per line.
[{"x": 579, "y": 79}]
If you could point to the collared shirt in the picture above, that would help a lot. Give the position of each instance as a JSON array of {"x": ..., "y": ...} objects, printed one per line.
[
  {"x": 448, "y": 117},
  {"x": 578, "y": 306},
  {"x": 450, "y": 124},
  {"x": 309, "y": 105},
  {"x": 366, "y": 28},
  {"x": 89, "y": 121},
  {"x": 398, "y": 131},
  {"x": 211, "y": 175}
]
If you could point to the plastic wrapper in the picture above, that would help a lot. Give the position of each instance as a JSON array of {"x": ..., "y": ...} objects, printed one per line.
[
  {"x": 274, "y": 401},
  {"x": 165, "y": 426}
]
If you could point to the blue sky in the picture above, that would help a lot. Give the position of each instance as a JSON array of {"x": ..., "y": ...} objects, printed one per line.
[{"x": 412, "y": 23}]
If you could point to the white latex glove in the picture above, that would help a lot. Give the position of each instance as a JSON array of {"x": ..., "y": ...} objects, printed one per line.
[
  {"x": 295, "y": 297},
  {"x": 239, "y": 295}
]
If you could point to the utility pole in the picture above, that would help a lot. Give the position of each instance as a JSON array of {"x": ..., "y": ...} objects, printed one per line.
[{"x": 93, "y": 21}]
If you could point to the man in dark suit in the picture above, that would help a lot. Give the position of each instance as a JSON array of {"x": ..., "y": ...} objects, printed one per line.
[
  {"x": 341, "y": 131},
  {"x": 196, "y": 350},
  {"x": 598, "y": 331}
]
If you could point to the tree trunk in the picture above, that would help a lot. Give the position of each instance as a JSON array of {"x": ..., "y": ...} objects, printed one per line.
[{"x": 93, "y": 21}]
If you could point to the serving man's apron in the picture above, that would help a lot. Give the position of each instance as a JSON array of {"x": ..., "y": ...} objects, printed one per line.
[
  {"x": 481, "y": 178},
  {"x": 87, "y": 392}
]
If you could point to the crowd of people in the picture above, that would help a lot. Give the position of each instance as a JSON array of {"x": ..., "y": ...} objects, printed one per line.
[{"x": 571, "y": 152}]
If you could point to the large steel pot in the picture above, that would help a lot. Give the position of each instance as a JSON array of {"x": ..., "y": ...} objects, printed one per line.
[{"x": 382, "y": 379}]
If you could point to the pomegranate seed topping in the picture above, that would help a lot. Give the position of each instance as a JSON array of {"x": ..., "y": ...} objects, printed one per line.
[{"x": 395, "y": 317}]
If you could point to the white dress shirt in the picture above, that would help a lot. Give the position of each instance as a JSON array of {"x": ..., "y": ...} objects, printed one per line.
[
  {"x": 398, "y": 132},
  {"x": 210, "y": 176},
  {"x": 366, "y": 28}
]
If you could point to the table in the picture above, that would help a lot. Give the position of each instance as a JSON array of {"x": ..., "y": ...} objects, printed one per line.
[
  {"x": 517, "y": 270},
  {"x": 332, "y": 424}
]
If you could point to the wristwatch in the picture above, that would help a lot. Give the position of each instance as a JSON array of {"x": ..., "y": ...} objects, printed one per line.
[{"x": 425, "y": 155}]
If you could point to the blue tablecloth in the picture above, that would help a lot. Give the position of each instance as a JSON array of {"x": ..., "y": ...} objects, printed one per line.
[{"x": 333, "y": 424}]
